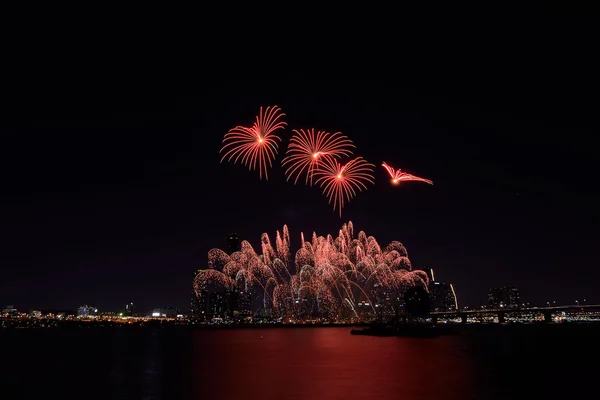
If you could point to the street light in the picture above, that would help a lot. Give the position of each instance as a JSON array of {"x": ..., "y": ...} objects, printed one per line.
[{"x": 577, "y": 302}]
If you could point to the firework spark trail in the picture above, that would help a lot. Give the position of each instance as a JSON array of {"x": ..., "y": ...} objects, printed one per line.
[
  {"x": 398, "y": 176},
  {"x": 257, "y": 146},
  {"x": 308, "y": 147},
  {"x": 340, "y": 183},
  {"x": 329, "y": 275}
]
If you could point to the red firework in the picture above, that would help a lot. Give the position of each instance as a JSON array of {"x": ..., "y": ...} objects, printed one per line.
[
  {"x": 308, "y": 147},
  {"x": 340, "y": 183},
  {"x": 255, "y": 147},
  {"x": 398, "y": 176}
]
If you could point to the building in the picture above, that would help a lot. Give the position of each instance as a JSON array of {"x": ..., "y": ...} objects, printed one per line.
[
  {"x": 10, "y": 310},
  {"x": 165, "y": 312},
  {"x": 206, "y": 305},
  {"x": 504, "y": 297},
  {"x": 195, "y": 309},
  {"x": 225, "y": 304},
  {"x": 108, "y": 314},
  {"x": 86, "y": 311},
  {"x": 198, "y": 302},
  {"x": 203, "y": 313},
  {"x": 194, "y": 300},
  {"x": 243, "y": 305},
  {"x": 233, "y": 243},
  {"x": 217, "y": 305},
  {"x": 54, "y": 313},
  {"x": 442, "y": 296},
  {"x": 129, "y": 310}
]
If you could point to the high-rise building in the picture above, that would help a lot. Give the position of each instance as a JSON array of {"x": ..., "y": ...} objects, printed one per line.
[
  {"x": 165, "y": 312},
  {"x": 204, "y": 313},
  {"x": 217, "y": 305},
  {"x": 442, "y": 297},
  {"x": 233, "y": 243},
  {"x": 244, "y": 304},
  {"x": 194, "y": 306},
  {"x": 9, "y": 310},
  {"x": 504, "y": 297},
  {"x": 195, "y": 310},
  {"x": 86, "y": 311},
  {"x": 129, "y": 309},
  {"x": 225, "y": 304}
]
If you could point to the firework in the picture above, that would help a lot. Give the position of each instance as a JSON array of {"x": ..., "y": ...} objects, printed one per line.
[
  {"x": 337, "y": 278},
  {"x": 257, "y": 146},
  {"x": 308, "y": 147},
  {"x": 398, "y": 176},
  {"x": 341, "y": 183}
]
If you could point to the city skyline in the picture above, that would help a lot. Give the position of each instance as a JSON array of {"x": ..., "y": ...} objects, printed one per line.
[
  {"x": 114, "y": 200},
  {"x": 233, "y": 242}
]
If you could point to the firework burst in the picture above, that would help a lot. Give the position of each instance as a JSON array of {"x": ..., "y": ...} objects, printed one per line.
[
  {"x": 341, "y": 183},
  {"x": 399, "y": 176},
  {"x": 257, "y": 146},
  {"x": 308, "y": 147},
  {"x": 335, "y": 278}
]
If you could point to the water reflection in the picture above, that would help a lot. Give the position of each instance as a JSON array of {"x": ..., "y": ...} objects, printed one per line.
[
  {"x": 329, "y": 363},
  {"x": 502, "y": 363}
]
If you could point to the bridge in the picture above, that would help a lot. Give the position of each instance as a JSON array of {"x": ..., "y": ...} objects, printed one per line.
[{"x": 501, "y": 312}]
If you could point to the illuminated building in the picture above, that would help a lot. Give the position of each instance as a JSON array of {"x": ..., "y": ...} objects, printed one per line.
[
  {"x": 86, "y": 311},
  {"x": 198, "y": 303},
  {"x": 9, "y": 310},
  {"x": 166, "y": 312},
  {"x": 233, "y": 243},
  {"x": 217, "y": 305},
  {"x": 442, "y": 296},
  {"x": 129, "y": 310},
  {"x": 504, "y": 297},
  {"x": 244, "y": 304},
  {"x": 385, "y": 302},
  {"x": 226, "y": 304},
  {"x": 108, "y": 314},
  {"x": 195, "y": 310},
  {"x": 56, "y": 313}
]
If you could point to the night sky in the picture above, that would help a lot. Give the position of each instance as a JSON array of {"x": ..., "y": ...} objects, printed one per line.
[{"x": 112, "y": 190}]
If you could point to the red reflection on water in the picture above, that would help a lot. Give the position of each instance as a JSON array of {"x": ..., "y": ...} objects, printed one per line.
[{"x": 328, "y": 364}]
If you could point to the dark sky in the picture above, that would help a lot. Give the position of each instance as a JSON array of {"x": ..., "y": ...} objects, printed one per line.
[{"x": 112, "y": 190}]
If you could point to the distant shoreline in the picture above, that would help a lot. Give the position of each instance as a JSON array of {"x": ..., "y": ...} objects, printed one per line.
[
  {"x": 271, "y": 326},
  {"x": 456, "y": 328},
  {"x": 73, "y": 324}
]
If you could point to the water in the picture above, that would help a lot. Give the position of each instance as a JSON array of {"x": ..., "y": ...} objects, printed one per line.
[{"x": 319, "y": 363}]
